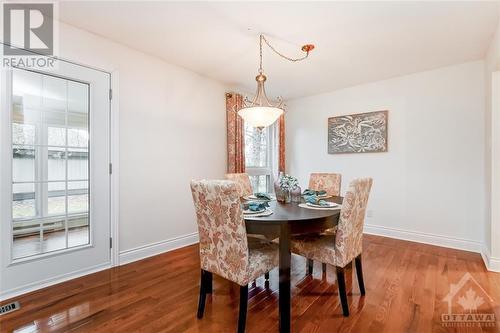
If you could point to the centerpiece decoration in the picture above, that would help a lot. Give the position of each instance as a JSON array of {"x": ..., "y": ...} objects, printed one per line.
[{"x": 287, "y": 185}]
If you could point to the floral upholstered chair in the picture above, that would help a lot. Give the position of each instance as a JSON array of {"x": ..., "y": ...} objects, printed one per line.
[
  {"x": 345, "y": 245},
  {"x": 243, "y": 182},
  {"x": 224, "y": 248},
  {"x": 329, "y": 182}
]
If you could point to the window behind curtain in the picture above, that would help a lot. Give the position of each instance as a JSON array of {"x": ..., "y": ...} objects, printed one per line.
[{"x": 261, "y": 156}]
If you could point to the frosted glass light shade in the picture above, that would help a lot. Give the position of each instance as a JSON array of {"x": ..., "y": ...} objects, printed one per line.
[{"x": 260, "y": 116}]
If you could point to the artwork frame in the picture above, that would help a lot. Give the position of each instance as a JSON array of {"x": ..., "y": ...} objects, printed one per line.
[{"x": 370, "y": 133}]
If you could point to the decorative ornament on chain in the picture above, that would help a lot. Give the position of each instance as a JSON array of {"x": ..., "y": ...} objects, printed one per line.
[{"x": 260, "y": 112}]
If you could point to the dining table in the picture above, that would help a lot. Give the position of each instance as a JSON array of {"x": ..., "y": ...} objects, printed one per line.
[{"x": 287, "y": 220}]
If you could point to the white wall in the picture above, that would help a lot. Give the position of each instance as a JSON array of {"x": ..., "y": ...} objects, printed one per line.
[
  {"x": 430, "y": 185},
  {"x": 172, "y": 129}
]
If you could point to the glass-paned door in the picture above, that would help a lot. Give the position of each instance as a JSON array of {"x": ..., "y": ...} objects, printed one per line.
[
  {"x": 55, "y": 180},
  {"x": 50, "y": 163}
]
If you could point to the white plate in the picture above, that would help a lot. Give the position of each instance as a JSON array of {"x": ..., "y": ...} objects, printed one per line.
[
  {"x": 251, "y": 212},
  {"x": 254, "y": 197},
  {"x": 266, "y": 212},
  {"x": 330, "y": 205}
]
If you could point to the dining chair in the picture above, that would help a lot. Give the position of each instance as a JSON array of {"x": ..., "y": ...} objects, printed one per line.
[
  {"x": 224, "y": 247},
  {"x": 341, "y": 248},
  {"x": 329, "y": 182},
  {"x": 243, "y": 182}
]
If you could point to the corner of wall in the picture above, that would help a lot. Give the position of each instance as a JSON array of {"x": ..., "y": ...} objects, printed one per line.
[{"x": 492, "y": 263}]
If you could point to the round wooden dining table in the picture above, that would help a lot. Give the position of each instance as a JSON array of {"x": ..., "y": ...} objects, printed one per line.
[{"x": 287, "y": 220}]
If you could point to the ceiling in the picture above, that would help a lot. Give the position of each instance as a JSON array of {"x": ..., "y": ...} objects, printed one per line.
[{"x": 356, "y": 42}]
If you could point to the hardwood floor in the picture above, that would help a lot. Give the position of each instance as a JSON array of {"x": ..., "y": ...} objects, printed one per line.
[{"x": 405, "y": 286}]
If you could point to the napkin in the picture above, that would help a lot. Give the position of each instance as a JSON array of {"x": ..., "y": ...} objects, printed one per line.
[
  {"x": 313, "y": 199},
  {"x": 261, "y": 195},
  {"x": 256, "y": 206},
  {"x": 313, "y": 192}
]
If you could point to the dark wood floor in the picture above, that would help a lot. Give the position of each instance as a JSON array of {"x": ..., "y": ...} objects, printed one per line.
[{"x": 406, "y": 283}]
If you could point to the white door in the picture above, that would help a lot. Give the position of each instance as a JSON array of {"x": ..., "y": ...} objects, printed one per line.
[{"x": 55, "y": 175}]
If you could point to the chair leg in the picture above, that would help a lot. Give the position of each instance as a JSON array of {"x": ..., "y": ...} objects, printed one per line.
[
  {"x": 310, "y": 264},
  {"x": 203, "y": 294},
  {"x": 323, "y": 267},
  {"x": 266, "y": 276},
  {"x": 209, "y": 284},
  {"x": 242, "y": 319},
  {"x": 342, "y": 291},
  {"x": 359, "y": 273}
]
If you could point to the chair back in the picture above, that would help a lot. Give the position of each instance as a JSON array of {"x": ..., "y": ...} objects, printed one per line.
[
  {"x": 329, "y": 182},
  {"x": 349, "y": 235},
  {"x": 221, "y": 227},
  {"x": 243, "y": 182}
]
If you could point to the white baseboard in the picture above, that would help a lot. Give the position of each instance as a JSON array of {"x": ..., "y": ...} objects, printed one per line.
[
  {"x": 125, "y": 257},
  {"x": 6, "y": 294},
  {"x": 426, "y": 238},
  {"x": 142, "y": 252},
  {"x": 153, "y": 249},
  {"x": 492, "y": 263}
]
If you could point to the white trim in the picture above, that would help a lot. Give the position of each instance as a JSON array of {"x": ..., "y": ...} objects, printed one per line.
[
  {"x": 426, "y": 238},
  {"x": 492, "y": 263},
  {"x": 6, "y": 294},
  {"x": 494, "y": 198},
  {"x": 115, "y": 175},
  {"x": 485, "y": 254},
  {"x": 153, "y": 249},
  {"x": 125, "y": 257}
]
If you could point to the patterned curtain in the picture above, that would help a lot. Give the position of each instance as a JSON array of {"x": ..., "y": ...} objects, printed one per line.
[
  {"x": 281, "y": 157},
  {"x": 235, "y": 134}
]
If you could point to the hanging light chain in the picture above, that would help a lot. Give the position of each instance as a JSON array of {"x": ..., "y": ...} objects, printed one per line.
[
  {"x": 266, "y": 112},
  {"x": 263, "y": 38},
  {"x": 260, "y": 54}
]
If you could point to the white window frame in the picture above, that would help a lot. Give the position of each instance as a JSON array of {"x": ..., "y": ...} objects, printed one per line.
[{"x": 271, "y": 169}]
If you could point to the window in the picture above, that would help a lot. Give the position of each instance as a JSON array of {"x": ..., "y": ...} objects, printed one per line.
[
  {"x": 50, "y": 163},
  {"x": 261, "y": 156}
]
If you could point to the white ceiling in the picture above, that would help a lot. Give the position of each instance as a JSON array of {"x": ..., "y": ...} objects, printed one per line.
[{"x": 356, "y": 42}]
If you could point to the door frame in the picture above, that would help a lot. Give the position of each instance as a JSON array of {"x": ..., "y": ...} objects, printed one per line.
[
  {"x": 115, "y": 174},
  {"x": 113, "y": 188}
]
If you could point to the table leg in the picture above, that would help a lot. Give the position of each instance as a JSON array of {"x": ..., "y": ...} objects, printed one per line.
[{"x": 284, "y": 287}]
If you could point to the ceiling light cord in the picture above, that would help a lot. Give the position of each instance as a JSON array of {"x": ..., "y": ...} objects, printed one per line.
[
  {"x": 306, "y": 48},
  {"x": 260, "y": 112}
]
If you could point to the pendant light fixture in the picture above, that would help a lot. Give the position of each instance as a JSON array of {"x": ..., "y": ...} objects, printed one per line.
[{"x": 260, "y": 112}]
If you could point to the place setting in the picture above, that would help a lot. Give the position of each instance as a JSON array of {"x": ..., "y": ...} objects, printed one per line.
[
  {"x": 321, "y": 194},
  {"x": 260, "y": 196},
  {"x": 256, "y": 209},
  {"x": 315, "y": 201}
]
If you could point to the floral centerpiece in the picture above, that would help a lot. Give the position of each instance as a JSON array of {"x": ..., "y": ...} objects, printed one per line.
[{"x": 287, "y": 184}]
